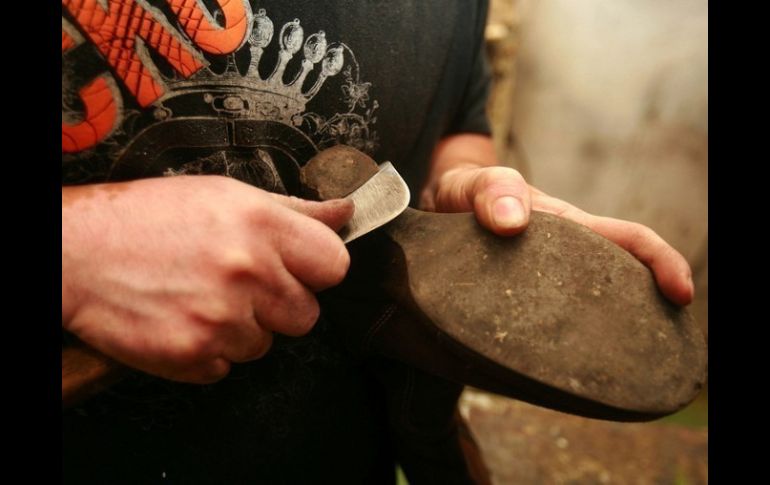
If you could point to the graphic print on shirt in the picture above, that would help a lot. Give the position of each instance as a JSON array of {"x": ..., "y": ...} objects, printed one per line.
[{"x": 153, "y": 88}]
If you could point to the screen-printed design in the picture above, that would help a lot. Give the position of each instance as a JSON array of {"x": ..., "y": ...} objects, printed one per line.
[{"x": 176, "y": 88}]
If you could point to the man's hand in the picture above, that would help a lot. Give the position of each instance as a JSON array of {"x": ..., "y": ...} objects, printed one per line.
[
  {"x": 181, "y": 276},
  {"x": 462, "y": 179}
]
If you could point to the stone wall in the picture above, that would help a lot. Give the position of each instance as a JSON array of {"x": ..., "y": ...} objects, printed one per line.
[{"x": 526, "y": 445}]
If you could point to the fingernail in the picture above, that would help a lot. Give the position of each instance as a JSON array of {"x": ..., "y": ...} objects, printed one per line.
[
  {"x": 692, "y": 285},
  {"x": 508, "y": 213}
]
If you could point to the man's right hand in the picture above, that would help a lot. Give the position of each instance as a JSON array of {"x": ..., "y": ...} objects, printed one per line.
[{"x": 181, "y": 276}]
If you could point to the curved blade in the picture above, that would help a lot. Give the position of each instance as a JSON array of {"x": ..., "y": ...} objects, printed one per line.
[{"x": 380, "y": 200}]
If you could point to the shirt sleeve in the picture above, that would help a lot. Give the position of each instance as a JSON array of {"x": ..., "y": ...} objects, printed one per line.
[{"x": 471, "y": 116}]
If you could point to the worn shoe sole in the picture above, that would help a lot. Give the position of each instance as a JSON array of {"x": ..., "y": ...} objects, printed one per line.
[{"x": 558, "y": 316}]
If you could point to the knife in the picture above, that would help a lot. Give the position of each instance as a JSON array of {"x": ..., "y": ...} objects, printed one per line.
[
  {"x": 377, "y": 202},
  {"x": 379, "y": 195}
]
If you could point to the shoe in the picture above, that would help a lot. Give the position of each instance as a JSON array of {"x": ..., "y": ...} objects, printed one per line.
[{"x": 557, "y": 316}]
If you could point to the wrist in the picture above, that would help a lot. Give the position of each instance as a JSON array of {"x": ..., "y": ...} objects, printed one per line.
[{"x": 78, "y": 244}]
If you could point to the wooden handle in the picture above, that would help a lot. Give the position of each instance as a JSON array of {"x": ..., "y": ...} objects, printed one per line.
[{"x": 85, "y": 372}]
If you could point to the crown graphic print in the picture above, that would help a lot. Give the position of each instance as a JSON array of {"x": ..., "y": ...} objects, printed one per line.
[{"x": 224, "y": 91}]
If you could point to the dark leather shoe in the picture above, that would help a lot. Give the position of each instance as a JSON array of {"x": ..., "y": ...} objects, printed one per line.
[{"x": 557, "y": 316}]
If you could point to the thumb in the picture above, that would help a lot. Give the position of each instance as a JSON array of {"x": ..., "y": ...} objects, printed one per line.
[
  {"x": 334, "y": 213},
  {"x": 499, "y": 196}
]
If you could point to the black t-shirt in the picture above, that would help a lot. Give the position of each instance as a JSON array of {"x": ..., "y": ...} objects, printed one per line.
[{"x": 253, "y": 90}]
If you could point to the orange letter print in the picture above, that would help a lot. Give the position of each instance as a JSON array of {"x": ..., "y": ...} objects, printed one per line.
[
  {"x": 101, "y": 99},
  {"x": 123, "y": 29},
  {"x": 120, "y": 29},
  {"x": 209, "y": 37}
]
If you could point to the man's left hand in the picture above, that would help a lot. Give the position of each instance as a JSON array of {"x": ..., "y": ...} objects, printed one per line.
[{"x": 502, "y": 201}]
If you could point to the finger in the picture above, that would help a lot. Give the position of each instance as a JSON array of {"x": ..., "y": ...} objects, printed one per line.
[
  {"x": 501, "y": 200},
  {"x": 310, "y": 250},
  {"x": 670, "y": 268},
  {"x": 247, "y": 341},
  {"x": 499, "y": 196},
  {"x": 671, "y": 271},
  {"x": 334, "y": 213},
  {"x": 286, "y": 307},
  {"x": 204, "y": 373},
  {"x": 176, "y": 357}
]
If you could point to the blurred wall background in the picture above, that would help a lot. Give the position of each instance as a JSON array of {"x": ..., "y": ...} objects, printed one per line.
[{"x": 603, "y": 103}]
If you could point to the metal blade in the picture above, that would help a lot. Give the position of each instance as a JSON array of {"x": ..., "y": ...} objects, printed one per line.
[{"x": 380, "y": 200}]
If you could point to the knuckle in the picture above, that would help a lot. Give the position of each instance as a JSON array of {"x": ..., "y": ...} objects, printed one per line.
[
  {"x": 497, "y": 174},
  {"x": 294, "y": 313},
  {"x": 212, "y": 372},
  {"x": 263, "y": 345},
  {"x": 216, "y": 312},
  {"x": 188, "y": 350},
  {"x": 264, "y": 212},
  {"x": 496, "y": 181},
  {"x": 644, "y": 233},
  {"x": 235, "y": 260},
  {"x": 487, "y": 178},
  {"x": 307, "y": 317},
  {"x": 515, "y": 174}
]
